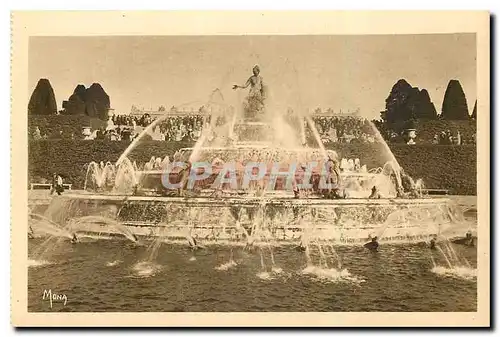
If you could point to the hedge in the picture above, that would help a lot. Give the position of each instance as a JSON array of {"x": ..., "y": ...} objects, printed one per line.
[
  {"x": 440, "y": 166},
  {"x": 69, "y": 124},
  {"x": 427, "y": 128}
]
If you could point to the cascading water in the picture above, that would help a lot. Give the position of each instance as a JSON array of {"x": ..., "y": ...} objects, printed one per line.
[
  {"x": 99, "y": 176},
  {"x": 129, "y": 199},
  {"x": 82, "y": 224},
  {"x": 393, "y": 161},
  {"x": 47, "y": 226},
  {"x": 454, "y": 265},
  {"x": 127, "y": 177}
]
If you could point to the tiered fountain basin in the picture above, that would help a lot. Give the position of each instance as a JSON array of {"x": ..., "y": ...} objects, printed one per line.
[
  {"x": 276, "y": 163},
  {"x": 138, "y": 204},
  {"x": 152, "y": 183},
  {"x": 276, "y": 219}
]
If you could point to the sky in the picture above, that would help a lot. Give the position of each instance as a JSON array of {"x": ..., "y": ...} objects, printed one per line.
[{"x": 342, "y": 72}]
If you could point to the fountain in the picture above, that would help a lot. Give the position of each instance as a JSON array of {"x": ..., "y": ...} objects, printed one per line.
[
  {"x": 99, "y": 176},
  {"x": 249, "y": 180}
]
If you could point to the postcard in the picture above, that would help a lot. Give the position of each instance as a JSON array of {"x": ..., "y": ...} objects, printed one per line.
[{"x": 250, "y": 169}]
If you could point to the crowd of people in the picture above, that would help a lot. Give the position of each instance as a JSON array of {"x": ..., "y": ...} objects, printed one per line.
[
  {"x": 114, "y": 134},
  {"x": 40, "y": 134},
  {"x": 175, "y": 128},
  {"x": 182, "y": 128},
  {"x": 452, "y": 138},
  {"x": 336, "y": 129},
  {"x": 347, "y": 129},
  {"x": 445, "y": 137},
  {"x": 37, "y": 134},
  {"x": 189, "y": 127},
  {"x": 132, "y": 121}
]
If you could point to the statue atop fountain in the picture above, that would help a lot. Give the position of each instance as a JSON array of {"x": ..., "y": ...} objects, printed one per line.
[{"x": 254, "y": 105}]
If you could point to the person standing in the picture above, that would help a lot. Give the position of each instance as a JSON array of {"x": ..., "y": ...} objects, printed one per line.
[
  {"x": 36, "y": 134},
  {"x": 375, "y": 193},
  {"x": 57, "y": 184}
]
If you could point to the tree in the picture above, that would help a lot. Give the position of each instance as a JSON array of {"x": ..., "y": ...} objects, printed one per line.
[
  {"x": 474, "y": 111},
  {"x": 406, "y": 103},
  {"x": 81, "y": 92},
  {"x": 162, "y": 108},
  {"x": 92, "y": 101},
  {"x": 425, "y": 108},
  {"x": 74, "y": 105},
  {"x": 43, "y": 100},
  {"x": 396, "y": 104},
  {"x": 97, "y": 102},
  {"x": 454, "y": 102}
]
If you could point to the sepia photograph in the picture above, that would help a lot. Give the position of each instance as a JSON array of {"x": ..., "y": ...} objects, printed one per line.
[{"x": 254, "y": 172}]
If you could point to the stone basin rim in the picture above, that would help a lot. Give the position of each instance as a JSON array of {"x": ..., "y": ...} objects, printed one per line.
[{"x": 256, "y": 200}]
